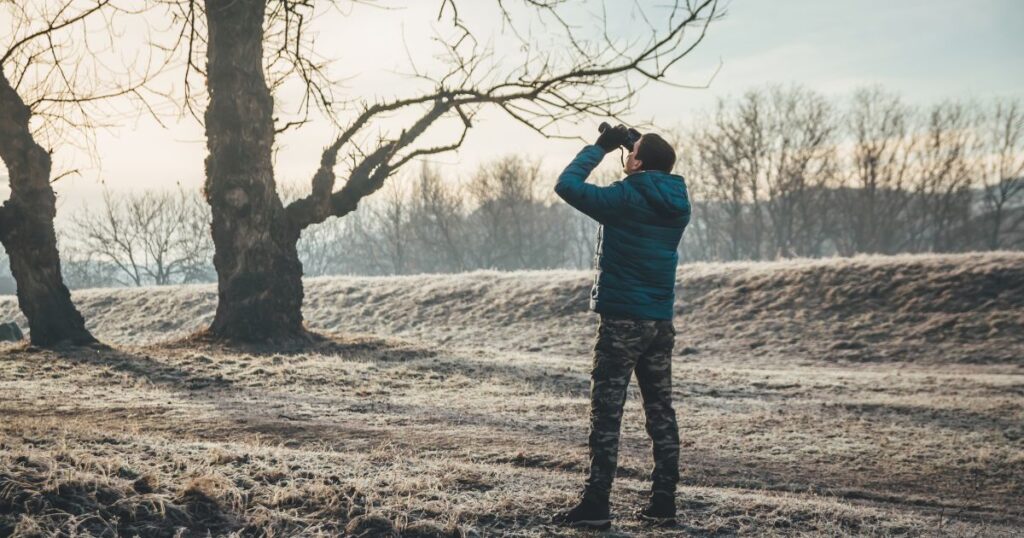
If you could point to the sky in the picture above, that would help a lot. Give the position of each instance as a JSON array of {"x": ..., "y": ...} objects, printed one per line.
[{"x": 926, "y": 51}]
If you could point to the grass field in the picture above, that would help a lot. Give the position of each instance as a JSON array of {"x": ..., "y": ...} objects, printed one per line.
[{"x": 873, "y": 396}]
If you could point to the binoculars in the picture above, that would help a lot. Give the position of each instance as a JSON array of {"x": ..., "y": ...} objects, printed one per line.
[{"x": 632, "y": 135}]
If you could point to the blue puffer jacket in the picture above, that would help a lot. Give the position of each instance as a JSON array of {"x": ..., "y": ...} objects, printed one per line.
[{"x": 642, "y": 220}]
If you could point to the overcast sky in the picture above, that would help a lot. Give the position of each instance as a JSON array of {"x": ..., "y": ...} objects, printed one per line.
[{"x": 925, "y": 50}]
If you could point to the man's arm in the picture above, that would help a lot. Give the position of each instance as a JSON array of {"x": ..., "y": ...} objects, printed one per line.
[{"x": 599, "y": 203}]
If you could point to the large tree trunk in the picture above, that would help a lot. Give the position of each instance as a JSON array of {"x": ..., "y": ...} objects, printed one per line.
[
  {"x": 26, "y": 230},
  {"x": 259, "y": 275}
]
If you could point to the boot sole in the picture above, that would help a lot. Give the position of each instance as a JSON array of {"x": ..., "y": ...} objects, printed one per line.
[{"x": 600, "y": 524}]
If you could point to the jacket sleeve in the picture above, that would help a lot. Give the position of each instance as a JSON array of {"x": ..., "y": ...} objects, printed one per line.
[{"x": 599, "y": 203}]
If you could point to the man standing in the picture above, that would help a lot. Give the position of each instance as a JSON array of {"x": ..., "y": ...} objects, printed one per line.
[{"x": 642, "y": 219}]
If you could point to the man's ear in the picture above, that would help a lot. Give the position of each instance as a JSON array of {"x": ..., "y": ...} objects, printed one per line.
[{"x": 639, "y": 164}]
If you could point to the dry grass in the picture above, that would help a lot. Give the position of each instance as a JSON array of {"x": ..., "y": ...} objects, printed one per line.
[
  {"x": 965, "y": 308},
  {"x": 455, "y": 425}
]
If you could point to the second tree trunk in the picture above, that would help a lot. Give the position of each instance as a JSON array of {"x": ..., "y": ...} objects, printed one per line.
[{"x": 259, "y": 276}]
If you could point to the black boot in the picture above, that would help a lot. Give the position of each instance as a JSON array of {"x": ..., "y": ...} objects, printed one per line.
[
  {"x": 591, "y": 512},
  {"x": 660, "y": 509}
]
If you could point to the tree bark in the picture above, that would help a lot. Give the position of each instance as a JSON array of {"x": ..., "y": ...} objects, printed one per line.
[
  {"x": 259, "y": 275},
  {"x": 26, "y": 230}
]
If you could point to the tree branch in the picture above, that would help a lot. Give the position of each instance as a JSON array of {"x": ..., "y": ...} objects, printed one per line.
[{"x": 540, "y": 98}]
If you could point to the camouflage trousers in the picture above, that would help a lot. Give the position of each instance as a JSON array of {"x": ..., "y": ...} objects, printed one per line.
[{"x": 625, "y": 346}]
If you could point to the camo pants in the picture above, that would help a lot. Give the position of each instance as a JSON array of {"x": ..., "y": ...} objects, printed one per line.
[{"x": 622, "y": 347}]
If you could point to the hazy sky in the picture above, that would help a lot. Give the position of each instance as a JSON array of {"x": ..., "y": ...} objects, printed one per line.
[{"x": 925, "y": 50}]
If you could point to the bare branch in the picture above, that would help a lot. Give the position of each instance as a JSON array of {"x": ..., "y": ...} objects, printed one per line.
[{"x": 541, "y": 101}]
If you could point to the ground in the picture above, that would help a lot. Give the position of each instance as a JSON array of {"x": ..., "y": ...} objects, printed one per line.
[{"x": 875, "y": 396}]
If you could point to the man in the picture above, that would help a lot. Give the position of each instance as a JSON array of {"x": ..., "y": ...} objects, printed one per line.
[{"x": 642, "y": 219}]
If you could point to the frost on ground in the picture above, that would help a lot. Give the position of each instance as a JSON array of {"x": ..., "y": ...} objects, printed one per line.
[
  {"x": 872, "y": 396},
  {"x": 962, "y": 308}
]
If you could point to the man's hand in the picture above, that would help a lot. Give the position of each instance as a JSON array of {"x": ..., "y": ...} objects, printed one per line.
[{"x": 613, "y": 138}]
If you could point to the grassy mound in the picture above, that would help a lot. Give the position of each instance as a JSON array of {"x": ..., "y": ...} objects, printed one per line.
[{"x": 965, "y": 308}]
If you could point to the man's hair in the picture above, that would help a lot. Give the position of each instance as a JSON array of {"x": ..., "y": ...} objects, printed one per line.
[{"x": 655, "y": 153}]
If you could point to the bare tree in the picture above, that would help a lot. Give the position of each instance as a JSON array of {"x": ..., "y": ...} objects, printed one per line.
[
  {"x": 438, "y": 220},
  {"x": 799, "y": 131},
  {"x": 50, "y": 72},
  {"x": 152, "y": 237},
  {"x": 946, "y": 170},
  {"x": 1003, "y": 172},
  {"x": 735, "y": 145},
  {"x": 504, "y": 195},
  {"x": 875, "y": 200},
  {"x": 110, "y": 234},
  {"x": 394, "y": 235},
  {"x": 255, "y": 234}
]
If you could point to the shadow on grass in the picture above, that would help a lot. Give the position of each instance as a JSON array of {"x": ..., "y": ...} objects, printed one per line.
[{"x": 184, "y": 376}]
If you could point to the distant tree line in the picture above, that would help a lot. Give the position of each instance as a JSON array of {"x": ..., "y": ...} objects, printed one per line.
[
  {"x": 777, "y": 172},
  {"x": 783, "y": 172}
]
